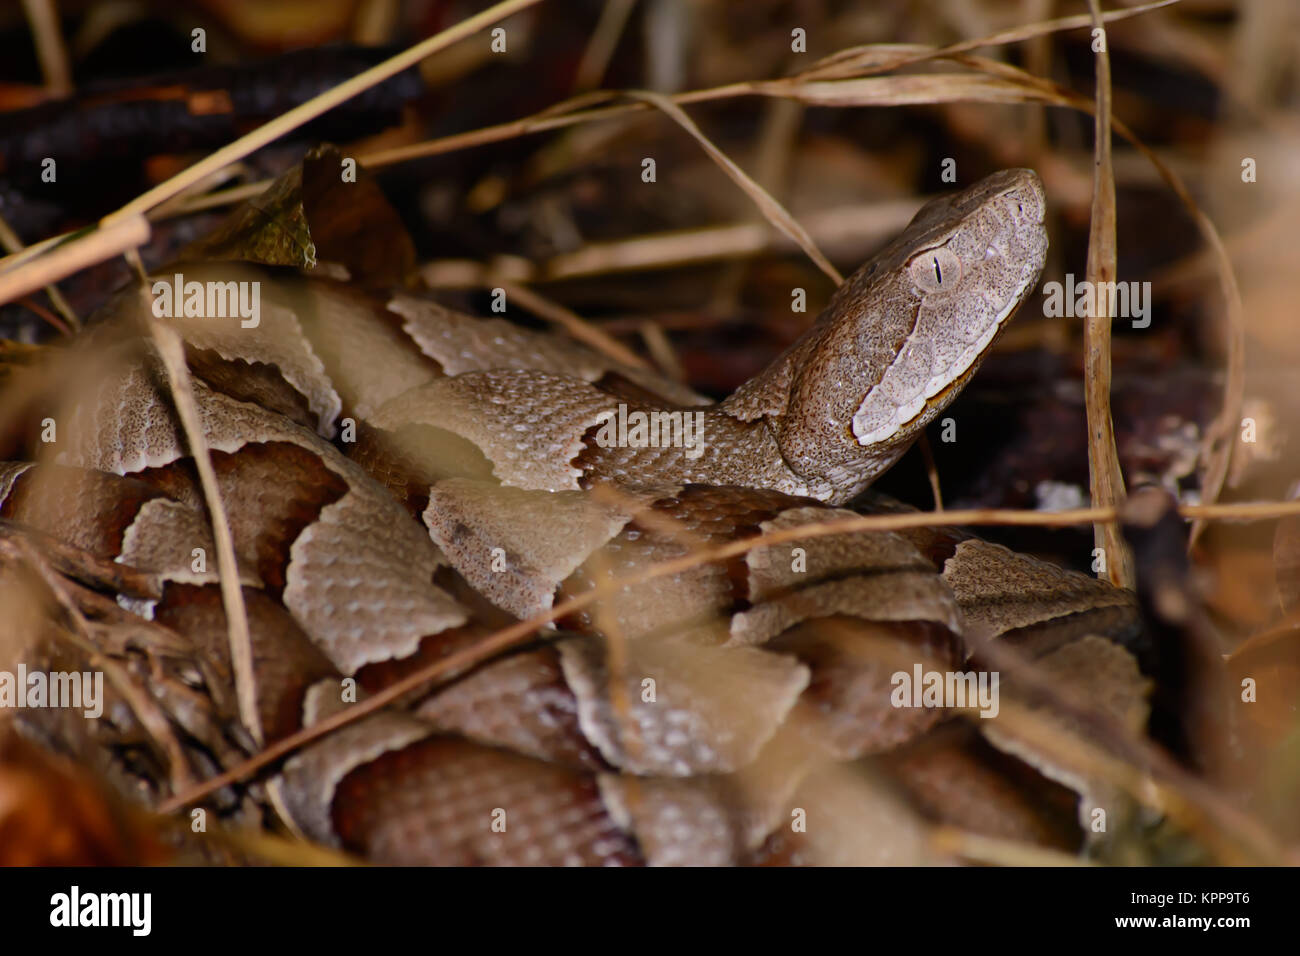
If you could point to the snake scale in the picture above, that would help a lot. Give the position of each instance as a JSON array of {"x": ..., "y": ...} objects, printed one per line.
[{"x": 401, "y": 480}]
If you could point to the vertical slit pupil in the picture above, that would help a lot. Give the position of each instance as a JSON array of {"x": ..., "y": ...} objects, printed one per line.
[{"x": 938, "y": 275}]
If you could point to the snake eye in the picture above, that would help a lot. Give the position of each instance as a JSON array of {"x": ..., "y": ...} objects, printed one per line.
[{"x": 935, "y": 270}]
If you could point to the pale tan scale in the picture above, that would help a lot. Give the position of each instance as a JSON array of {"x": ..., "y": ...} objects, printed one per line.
[
  {"x": 712, "y": 711},
  {"x": 369, "y": 361},
  {"x": 163, "y": 538},
  {"x": 894, "y": 582},
  {"x": 277, "y": 338},
  {"x": 1000, "y": 590},
  {"x": 514, "y": 546},
  {"x": 697, "y": 821},
  {"x": 529, "y": 425},
  {"x": 464, "y": 343}
]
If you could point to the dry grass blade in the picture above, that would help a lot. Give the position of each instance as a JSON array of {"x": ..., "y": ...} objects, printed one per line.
[
  {"x": 1105, "y": 478},
  {"x": 863, "y": 222},
  {"x": 186, "y": 204},
  {"x": 49, "y": 317},
  {"x": 931, "y": 470},
  {"x": 9, "y": 239},
  {"x": 193, "y": 197},
  {"x": 572, "y": 323},
  {"x": 604, "y": 39},
  {"x": 43, "y": 16},
  {"x": 775, "y": 213},
  {"x": 172, "y": 353},
  {"x": 879, "y": 57},
  {"x": 26, "y": 254},
  {"x": 568, "y": 113},
  {"x": 1218, "y": 445},
  {"x": 37, "y": 268},
  {"x": 902, "y": 90},
  {"x": 661, "y": 350}
]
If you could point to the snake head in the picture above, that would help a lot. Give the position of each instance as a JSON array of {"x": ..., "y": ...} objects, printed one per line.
[{"x": 904, "y": 334}]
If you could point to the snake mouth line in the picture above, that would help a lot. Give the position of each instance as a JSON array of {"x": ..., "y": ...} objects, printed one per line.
[{"x": 958, "y": 380}]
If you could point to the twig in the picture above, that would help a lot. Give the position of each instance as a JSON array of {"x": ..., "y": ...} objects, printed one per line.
[
  {"x": 864, "y": 222},
  {"x": 932, "y": 472},
  {"x": 1105, "y": 478},
  {"x": 661, "y": 350},
  {"x": 43, "y": 16},
  {"x": 600, "y": 48},
  {"x": 46, "y": 316},
  {"x": 12, "y": 243},
  {"x": 145, "y": 708},
  {"x": 172, "y": 352},
  {"x": 109, "y": 240},
  {"x": 572, "y": 112},
  {"x": 81, "y": 565},
  {"x": 774, "y": 212},
  {"x": 577, "y": 327}
]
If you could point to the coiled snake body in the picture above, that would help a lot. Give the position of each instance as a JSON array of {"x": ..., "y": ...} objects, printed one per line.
[{"x": 400, "y": 480}]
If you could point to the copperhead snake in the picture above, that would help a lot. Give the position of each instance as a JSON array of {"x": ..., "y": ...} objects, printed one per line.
[{"x": 401, "y": 480}]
